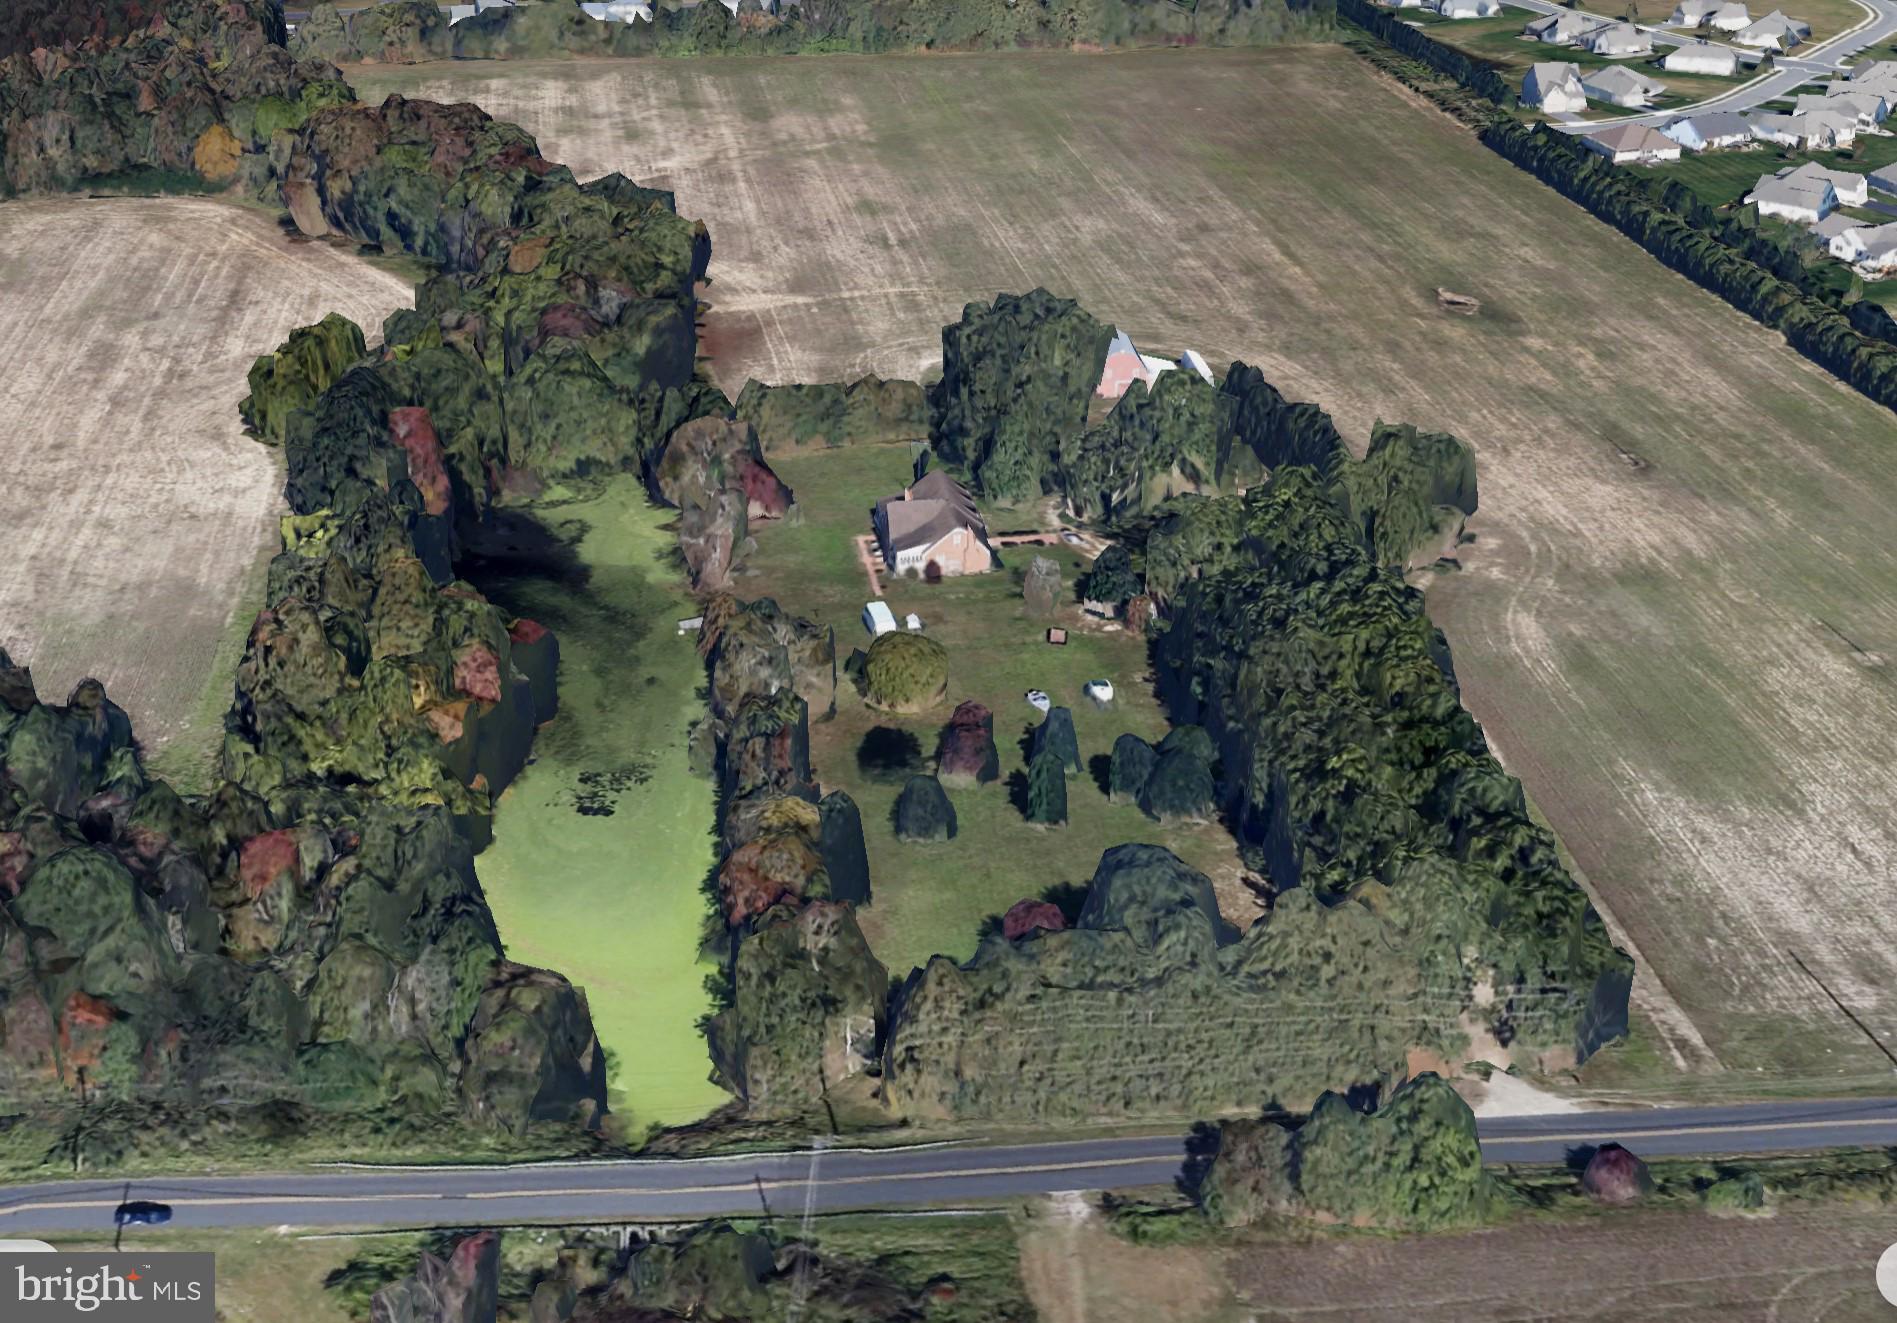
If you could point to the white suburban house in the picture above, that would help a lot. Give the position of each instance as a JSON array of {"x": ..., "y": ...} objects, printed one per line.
[
  {"x": 1843, "y": 237},
  {"x": 1875, "y": 71},
  {"x": 458, "y": 12},
  {"x": 1555, "y": 86},
  {"x": 1691, "y": 13},
  {"x": 1626, "y": 143},
  {"x": 1867, "y": 103},
  {"x": 1769, "y": 127},
  {"x": 1620, "y": 86},
  {"x": 1619, "y": 39},
  {"x": 1730, "y": 17},
  {"x": 1825, "y": 128},
  {"x": 1774, "y": 32},
  {"x": 1702, "y": 57},
  {"x": 1469, "y": 8},
  {"x": 1564, "y": 29},
  {"x": 618, "y": 11},
  {"x": 1880, "y": 254},
  {"x": 933, "y": 525},
  {"x": 1850, "y": 189},
  {"x": 1801, "y": 200},
  {"x": 1708, "y": 132}
]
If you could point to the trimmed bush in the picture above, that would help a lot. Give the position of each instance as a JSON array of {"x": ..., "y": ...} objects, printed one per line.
[
  {"x": 923, "y": 811},
  {"x": 905, "y": 672},
  {"x": 1133, "y": 762}
]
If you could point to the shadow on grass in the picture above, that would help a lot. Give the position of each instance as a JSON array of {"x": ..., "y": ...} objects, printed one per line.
[
  {"x": 889, "y": 754},
  {"x": 1100, "y": 767}
]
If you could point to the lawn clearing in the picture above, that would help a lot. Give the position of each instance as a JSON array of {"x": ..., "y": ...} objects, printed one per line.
[
  {"x": 936, "y": 898},
  {"x": 1676, "y": 616},
  {"x": 601, "y": 846},
  {"x": 138, "y": 517}
]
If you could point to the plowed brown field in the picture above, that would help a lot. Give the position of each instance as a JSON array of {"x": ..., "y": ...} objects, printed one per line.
[
  {"x": 1676, "y": 618},
  {"x": 134, "y": 512}
]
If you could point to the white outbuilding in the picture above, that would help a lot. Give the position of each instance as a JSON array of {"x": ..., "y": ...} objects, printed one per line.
[
  {"x": 1702, "y": 57},
  {"x": 1555, "y": 86},
  {"x": 1691, "y": 13},
  {"x": 878, "y": 619}
]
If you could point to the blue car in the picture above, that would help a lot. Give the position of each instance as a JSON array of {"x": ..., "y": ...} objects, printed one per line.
[{"x": 141, "y": 1213}]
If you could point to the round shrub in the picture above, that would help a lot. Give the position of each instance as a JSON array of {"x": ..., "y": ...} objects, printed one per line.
[{"x": 905, "y": 673}]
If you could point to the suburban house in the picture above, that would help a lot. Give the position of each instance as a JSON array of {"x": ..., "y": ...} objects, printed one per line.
[
  {"x": 1850, "y": 189},
  {"x": 1879, "y": 255},
  {"x": 1691, "y": 13},
  {"x": 1875, "y": 71},
  {"x": 1813, "y": 129},
  {"x": 1884, "y": 179},
  {"x": 618, "y": 11},
  {"x": 1768, "y": 127},
  {"x": 1125, "y": 365},
  {"x": 1774, "y": 32},
  {"x": 1702, "y": 57},
  {"x": 1555, "y": 86},
  {"x": 1469, "y": 8},
  {"x": 1802, "y": 200},
  {"x": 1562, "y": 29},
  {"x": 1730, "y": 17},
  {"x": 1715, "y": 129},
  {"x": 1867, "y": 103},
  {"x": 933, "y": 525},
  {"x": 1619, "y": 39},
  {"x": 878, "y": 619},
  {"x": 1843, "y": 237},
  {"x": 458, "y": 12},
  {"x": 1626, "y": 143},
  {"x": 1620, "y": 86},
  {"x": 1402, "y": 4},
  {"x": 1825, "y": 128}
]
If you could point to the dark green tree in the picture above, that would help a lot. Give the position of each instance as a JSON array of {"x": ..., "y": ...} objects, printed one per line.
[
  {"x": 1179, "y": 789},
  {"x": 1133, "y": 760},
  {"x": 1111, "y": 577},
  {"x": 1055, "y": 734},
  {"x": 1047, "y": 790}
]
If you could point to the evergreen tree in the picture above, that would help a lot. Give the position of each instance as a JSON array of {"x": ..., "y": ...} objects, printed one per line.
[{"x": 1047, "y": 789}]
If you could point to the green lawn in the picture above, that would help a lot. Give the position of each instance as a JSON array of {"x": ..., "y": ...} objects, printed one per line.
[
  {"x": 1723, "y": 177},
  {"x": 931, "y": 899},
  {"x": 601, "y": 847}
]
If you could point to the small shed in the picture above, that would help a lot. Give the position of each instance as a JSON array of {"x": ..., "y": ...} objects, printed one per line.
[
  {"x": 878, "y": 619},
  {"x": 1057, "y": 636},
  {"x": 691, "y": 624},
  {"x": 912, "y": 622}
]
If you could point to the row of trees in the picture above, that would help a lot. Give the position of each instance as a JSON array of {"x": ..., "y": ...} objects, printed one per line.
[
  {"x": 1774, "y": 277},
  {"x": 1826, "y": 335},
  {"x": 410, "y": 30},
  {"x": 1353, "y": 768},
  {"x": 1479, "y": 75}
]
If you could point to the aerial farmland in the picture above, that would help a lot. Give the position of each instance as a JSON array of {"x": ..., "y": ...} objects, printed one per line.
[
  {"x": 1673, "y": 614},
  {"x": 131, "y": 323}
]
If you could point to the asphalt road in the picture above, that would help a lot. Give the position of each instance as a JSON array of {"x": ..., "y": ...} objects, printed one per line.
[
  {"x": 595, "y": 1193},
  {"x": 1792, "y": 70}
]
